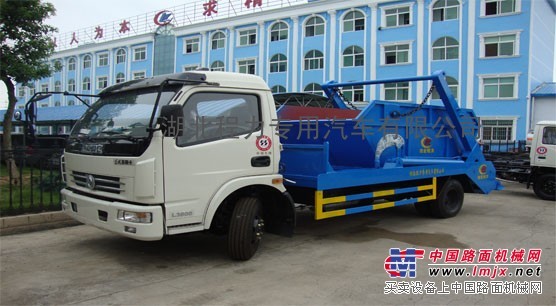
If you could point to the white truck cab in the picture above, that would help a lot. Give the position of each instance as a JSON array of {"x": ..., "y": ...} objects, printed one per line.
[
  {"x": 133, "y": 174},
  {"x": 543, "y": 160}
]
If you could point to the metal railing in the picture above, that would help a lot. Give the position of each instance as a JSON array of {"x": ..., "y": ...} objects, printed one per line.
[
  {"x": 507, "y": 146},
  {"x": 192, "y": 12},
  {"x": 35, "y": 186}
]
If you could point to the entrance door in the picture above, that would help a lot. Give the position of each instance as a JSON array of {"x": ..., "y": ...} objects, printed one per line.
[{"x": 164, "y": 50}]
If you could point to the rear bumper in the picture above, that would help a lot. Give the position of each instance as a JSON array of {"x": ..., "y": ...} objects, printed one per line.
[{"x": 104, "y": 215}]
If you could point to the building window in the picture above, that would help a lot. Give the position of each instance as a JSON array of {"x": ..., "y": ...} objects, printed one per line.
[
  {"x": 191, "y": 45},
  {"x": 248, "y": 37},
  {"x": 120, "y": 77},
  {"x": 353, "y": 56},
  {"x": 499, "y": 87},
  {"x": 353, "y": 93},
  {"x": 86, "y": 83},
  {"x": 500, "y": 45},
  {"x": 44, "y": 105},
  {"x": 445, "y": 48},
  {"x": 396, "y": 91},
  {"x": 139, "y": 75},
  {"x": 396, "y": 54},
  {"x": 120, "y": 56},
  {"x": 218, "y": 41},
  {"x": 452, "y": 84},
  {"x": 86, "y": 61},
  {"x": 314, "y": 59},
  {"x": 278, "y": 63},
  {"x": 494, "y": 129},
  {"x": 314, "y": 27},
  {"x": 31, "y": 89},
  {"x": 190, "y": 67},
  {"x": 44, "y": 87},
  {"x": 314, "y": 88},
  {"x": 247, "y": 66},
  {"x": 396, "y": 17},
  {"x": 499, "y": 7},
  {"x": 21, "y": 91},
  {"x": 279, "y": 31},
  {"x": 58, "y": 86},
  {"x": 71, "y": 103},
  {"x": 102, "y": 82},
  {"x": 139, "y": 53},
  {"x": 71, "y": 85},
  {"x": 57, "y": 103},
  {"x": 102, "y": 60},
  {"x": 445, "y": 10},
  {"x": 354, "y": 21},
  {"x": 217, "y": 66},
  {"x": 278, "y": 89},
  {"x": 71, "y": 64}
]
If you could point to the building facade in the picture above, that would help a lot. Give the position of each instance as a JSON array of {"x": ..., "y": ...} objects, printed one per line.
[{"x": 494, "y": 52}]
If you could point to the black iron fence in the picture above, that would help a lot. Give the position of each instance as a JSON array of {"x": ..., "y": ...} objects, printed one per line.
[
  {"x": 516, "y": 146},
  {"x": 35, "y": 184}
]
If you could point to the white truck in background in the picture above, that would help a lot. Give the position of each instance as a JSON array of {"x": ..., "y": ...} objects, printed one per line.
[{"x": 543, "y": 160}]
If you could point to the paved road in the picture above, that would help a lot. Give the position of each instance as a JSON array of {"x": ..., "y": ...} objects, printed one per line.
[{"x": 335, "y": 261}]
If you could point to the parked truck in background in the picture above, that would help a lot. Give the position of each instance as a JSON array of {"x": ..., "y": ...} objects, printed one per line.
[
  {"x": 543, "y": 160},
  {"x": 535, "y": 167},
  {"x": 208, "y": 151}
]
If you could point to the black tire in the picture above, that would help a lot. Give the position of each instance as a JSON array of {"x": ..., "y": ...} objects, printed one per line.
[
  {"x": 246, "y": 229},
  {"x": 423, "y": 208},
  {"x": 544, "y": 187},
  {"x": 449, "y": 200}
]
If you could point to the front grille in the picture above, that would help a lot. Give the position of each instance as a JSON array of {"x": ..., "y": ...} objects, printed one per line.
[{"x": 98, "y": 182}]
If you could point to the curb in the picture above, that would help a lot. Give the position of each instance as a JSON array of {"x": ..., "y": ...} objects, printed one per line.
[{"x": 35, "y": 222}]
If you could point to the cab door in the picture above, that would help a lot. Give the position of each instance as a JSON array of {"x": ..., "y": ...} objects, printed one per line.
[{"x": 222, "y": 139}]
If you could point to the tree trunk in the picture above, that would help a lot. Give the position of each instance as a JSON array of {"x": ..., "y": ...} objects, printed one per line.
[{"x": 7, "y": 137}]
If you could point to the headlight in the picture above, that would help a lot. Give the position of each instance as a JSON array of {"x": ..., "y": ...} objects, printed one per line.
[{"x": 135, "y": 217}]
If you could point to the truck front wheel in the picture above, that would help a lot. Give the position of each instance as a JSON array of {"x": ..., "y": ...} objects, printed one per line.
[
  {"x": 449, "y": 200},
  {"x": 544, "y": 187},
  {"x": 246, "y": 229}
]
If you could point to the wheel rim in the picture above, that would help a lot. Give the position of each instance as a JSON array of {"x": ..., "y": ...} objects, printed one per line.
[
  {"x": 452, "y": 200},
  {"x": 548, "y": 186},
  {"x": 258, "y": 229}
]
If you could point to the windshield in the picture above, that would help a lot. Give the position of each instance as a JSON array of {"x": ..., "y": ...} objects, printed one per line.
[{"x": 118, "y": 119}]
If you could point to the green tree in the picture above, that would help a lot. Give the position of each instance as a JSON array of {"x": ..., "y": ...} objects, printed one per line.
[{"x": 25, "y": 46}]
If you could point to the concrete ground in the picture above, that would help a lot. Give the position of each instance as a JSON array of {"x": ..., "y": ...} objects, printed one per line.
[{"x": 334, "y": 261}]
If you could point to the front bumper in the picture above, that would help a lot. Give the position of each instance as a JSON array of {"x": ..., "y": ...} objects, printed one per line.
[{"x": 104, "y": 215}]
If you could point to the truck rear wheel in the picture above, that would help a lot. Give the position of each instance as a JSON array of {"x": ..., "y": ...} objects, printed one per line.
[
  {"x": 449, "y": 200},
  {"x": 544, "y": 187},
  {"x": 246, "y": 229}
]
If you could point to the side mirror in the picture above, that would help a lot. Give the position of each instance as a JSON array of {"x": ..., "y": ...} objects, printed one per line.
[
  {"x": 171, "y": 120},
  {"x": 17, "y": 115}
]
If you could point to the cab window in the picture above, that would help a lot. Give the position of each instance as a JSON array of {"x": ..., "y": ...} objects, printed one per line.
[
  {"x": 211, "y": 116},
  {"x": 549, "y": 135}
]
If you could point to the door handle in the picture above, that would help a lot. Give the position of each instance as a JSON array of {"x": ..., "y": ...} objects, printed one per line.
[{"x": 260, "y": 161}]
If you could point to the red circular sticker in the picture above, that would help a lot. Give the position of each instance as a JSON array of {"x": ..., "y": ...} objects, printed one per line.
[
  {"x": 542, "y": 150},
  {"x": 263, "y": 143}
]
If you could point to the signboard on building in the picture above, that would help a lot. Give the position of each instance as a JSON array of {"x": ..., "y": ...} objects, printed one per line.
[{"x": 190, "y": 13}]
